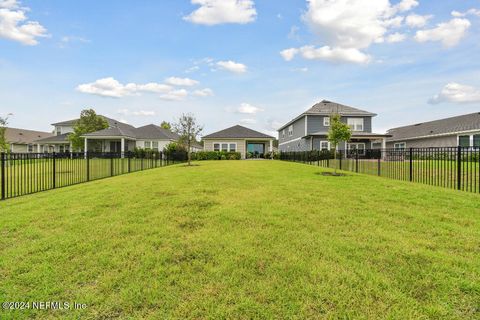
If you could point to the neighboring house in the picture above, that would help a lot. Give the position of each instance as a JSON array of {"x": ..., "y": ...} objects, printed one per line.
[
  {"x": 450, "y": 132},
  {"x": 22, "y": 141},
  {"x": 309, "y": 130},
  {"x": 118, "y": 137},
  {"x": 239, "y": 139}
]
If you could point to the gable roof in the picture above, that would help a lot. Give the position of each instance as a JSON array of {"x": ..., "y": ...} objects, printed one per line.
[
  {"x": 22, "y": 136},
  {"x": 61, "y": 138},
  {"x": 467, "y": 122},
  {"x": 237, "y": 132},
  {"x": 152, "y": 131},
  {"x": 327, "y": 108}
]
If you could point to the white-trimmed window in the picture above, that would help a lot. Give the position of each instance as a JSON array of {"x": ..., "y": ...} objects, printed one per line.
[
  {"x": 155, "y": 145},
  {"x": 283, "y": 133},
  {"x": 148, "y": 144},
  {"x": 232, "y": 147},
  {"x": 225, "y": 146},
  {"x": 400, "y": 145},
  {"x": 356, "y": 124},
  {"x": 290, "y": 130},
  {"x": 216, "y": 147},
  {"x": 360, "y": 146},
  {"x": 324, "y": 145},
  {"x": 326, "y": 121},
  {"x": 59, "y": 131}
]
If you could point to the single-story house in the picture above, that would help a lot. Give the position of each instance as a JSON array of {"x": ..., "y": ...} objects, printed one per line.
[
  {"x": 118, "y": 137},
  {"x": 461, "y": 130},
  {"x": 23, "y": 141},
  {"x": 248, "y": 142}
]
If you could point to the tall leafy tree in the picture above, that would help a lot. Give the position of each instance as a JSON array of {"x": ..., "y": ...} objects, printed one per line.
[
  {"x": 337, "y": 133},
  {"x": 3, "y": 128},
  {"x": 166, "y": 125},
  {"x": 89, "y": 122},
  {"x": 188, "y": 129}
]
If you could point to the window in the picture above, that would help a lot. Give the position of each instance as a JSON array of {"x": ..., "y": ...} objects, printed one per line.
[
  {"x": 399, "y": 145},
  {"x": 148, "y": 144},
  {"x": 357, "y": 146},
  {"x": 155, "y": 145},
  {"x": 324, "y": 145},
  {"x": 356, "y": 124},
  {"x": 216, "y": 147},
  {"x": 59, "y": 131},
  {"x": 233, "y": 147},
  {"x": 30, "y": 148},
  {"x": 290, "y": 131},
  {"x": 283, "y": 133},
  {"x": 326, "y": 121},
  {"x": 464, "y": 141},
  {"x": 225, "y": 147},
  {"x": 476, "y": 140}
]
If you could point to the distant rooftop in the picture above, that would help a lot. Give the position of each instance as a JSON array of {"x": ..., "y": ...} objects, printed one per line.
[
  {"x": 23, "y": 136},
  {"x": 237, "y": 132}
]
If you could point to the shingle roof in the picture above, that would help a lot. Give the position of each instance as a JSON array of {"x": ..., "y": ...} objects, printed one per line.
[
  {"x": 54, "y": 139},
  {"x": 22, "y": 136},
  {"x": 237, "y": 132},
  {"x": 152, "y": 131},
  {"x": 326, "y": 108},
  {"x": 461, "y": 123}
]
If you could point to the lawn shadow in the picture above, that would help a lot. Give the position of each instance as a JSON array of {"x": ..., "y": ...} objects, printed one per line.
[{"x": 330, "y": 174}]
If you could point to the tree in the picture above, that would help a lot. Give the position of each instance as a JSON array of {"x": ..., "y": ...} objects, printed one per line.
[
  {"x": 89, "y": 122},
  {"x": 3, "y": 129},
  {"x": 338, "y": 132},
  {"x": 188, "y": 130},
  {"x": 166, "y": 125}
]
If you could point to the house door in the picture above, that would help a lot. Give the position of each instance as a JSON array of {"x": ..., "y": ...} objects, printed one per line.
[{"x": 115, "y": 146}]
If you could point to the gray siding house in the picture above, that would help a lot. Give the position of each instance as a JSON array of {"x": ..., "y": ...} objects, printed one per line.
[
  {"x": 462, "y": 131},
  {"x": 309, "y": 130}
]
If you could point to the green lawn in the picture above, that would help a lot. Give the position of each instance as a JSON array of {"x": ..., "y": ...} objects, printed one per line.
[{"x": 243, "y": 239}]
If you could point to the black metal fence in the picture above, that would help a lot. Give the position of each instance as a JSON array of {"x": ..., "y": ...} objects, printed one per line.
[
  {"x": 452, "y": 167},
  {"x": 26, "y": 173}
]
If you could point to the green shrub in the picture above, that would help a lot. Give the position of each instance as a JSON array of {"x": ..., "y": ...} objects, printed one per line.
[{"x": 216, "y": 155}]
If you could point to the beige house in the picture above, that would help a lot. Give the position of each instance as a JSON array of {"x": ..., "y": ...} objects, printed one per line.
[
  {"x": 23, "y": 141},
  {"x": 250, "y": 143}
]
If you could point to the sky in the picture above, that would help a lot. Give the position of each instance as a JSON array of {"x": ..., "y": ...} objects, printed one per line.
[{"x": 257, "y": 63}]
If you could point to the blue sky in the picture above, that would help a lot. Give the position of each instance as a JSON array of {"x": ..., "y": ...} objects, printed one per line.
[{"x": 253, "y": 62}]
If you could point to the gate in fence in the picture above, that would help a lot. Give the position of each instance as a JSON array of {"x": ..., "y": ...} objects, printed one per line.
[
  {"x": 26, "y": 173},
  {"x": 448, "y": 167}
]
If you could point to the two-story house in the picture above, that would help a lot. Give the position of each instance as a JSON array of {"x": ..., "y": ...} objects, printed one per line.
[{"x": 309, "y": 130}]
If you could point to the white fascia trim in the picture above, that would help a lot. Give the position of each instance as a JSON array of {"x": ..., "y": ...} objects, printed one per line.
[
  {"x": 306, "y": 124},
  {"x": 438, "y": 135},
  {"x": 287, "y": 142}
]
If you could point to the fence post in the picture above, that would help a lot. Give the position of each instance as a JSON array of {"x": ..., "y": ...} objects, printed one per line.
[
  {"x": 459, "y": 167},
  {"x": 379, "y": 162},
  {"x": 143, "y": 156},
  {"x": 318, "y": 158},
  {"x": 356, "y": 160},
  {"x": 129, "y": 168},
  {"x": 341, "y": 156},
  {"x": 3, "y": 175},
  {"x": 88, "y": 165},
  {"x": 411, "y": 164},
  {"x": 54, "y": 173}
]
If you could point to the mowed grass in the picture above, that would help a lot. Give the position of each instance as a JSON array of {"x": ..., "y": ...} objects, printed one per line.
[{"x": 243, "y": 239}]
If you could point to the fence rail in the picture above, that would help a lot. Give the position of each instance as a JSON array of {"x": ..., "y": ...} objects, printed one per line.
[
  {"x": 27, "y": 173},
  {"x": 449, "y": 167}
]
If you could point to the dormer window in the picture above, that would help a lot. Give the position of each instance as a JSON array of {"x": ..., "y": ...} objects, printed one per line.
[
  {"x": 326, "y": 121},
  {"x": 290, "y": 130}
]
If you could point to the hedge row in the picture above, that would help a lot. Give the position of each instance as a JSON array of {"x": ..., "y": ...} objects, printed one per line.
[{"x": 216, "y": 155}]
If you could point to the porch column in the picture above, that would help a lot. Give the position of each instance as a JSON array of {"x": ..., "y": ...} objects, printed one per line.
[
  {"x": 86, "y": 148},
  {"x": 123, "y": 147},
  {"x": 38, "y": 148},
  {"x": 384, "y": 146},
  {"x": 271, "y": 149}
]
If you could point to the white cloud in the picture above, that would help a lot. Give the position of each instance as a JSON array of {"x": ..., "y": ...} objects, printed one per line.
[
  {"x": 328, "y": 54},
  {"x": 14, "y": 24},
  {"x": 232, "y": 66},
  {"x": 417, "y": 21},
  {"x": 396, "y": 37},
  {"x": 473, "y": 11},
  {"x": 212, "y": 12},
  {"x": 406, "y": 5},
  {"x": 185, "y": 82},
  {"x": 449, "y": 33},
  {"x": 246, "y": 108},
  {"x": 203, "y": 92},
  {"x": 457, "y": 93},
  {"x": 154, "y": 87},
  {"x": 175, "y": 95}
]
